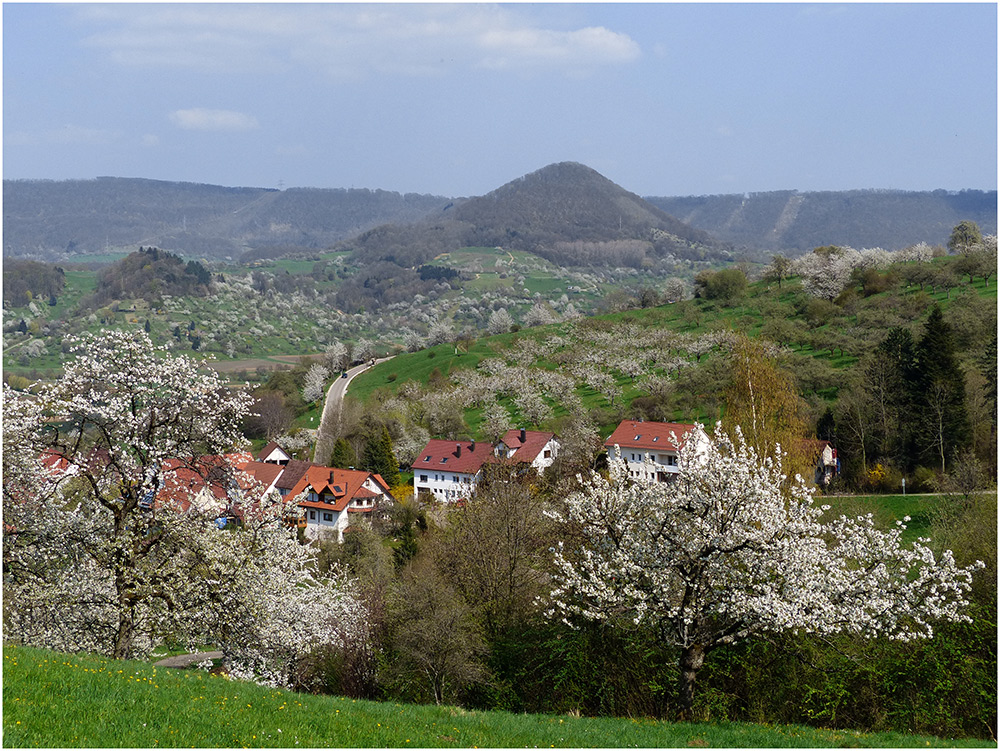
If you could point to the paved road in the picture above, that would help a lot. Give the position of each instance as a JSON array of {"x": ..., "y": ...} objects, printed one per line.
[{"x": 326, "y": 434}]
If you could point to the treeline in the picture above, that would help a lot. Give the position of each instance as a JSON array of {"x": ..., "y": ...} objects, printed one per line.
[
  {"x": 25, "y": 281},
  {"x": 149, "y": 274}
]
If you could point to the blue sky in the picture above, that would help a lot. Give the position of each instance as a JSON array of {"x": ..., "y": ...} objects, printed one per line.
[{"x": 457, "y": 99}]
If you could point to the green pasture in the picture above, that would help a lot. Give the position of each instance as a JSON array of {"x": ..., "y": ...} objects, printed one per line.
[
  {"x": 888, "y": 509},
  {"x": 76, "y": 701}
]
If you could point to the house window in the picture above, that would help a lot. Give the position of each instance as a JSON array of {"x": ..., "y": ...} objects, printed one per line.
[
  {"x": 547, "y": 454},
  {"x": 423, "y": 478},
  {"x": 671, "y": 461},
  {"x": 454, "y": 478},
  {"x": 327, "y": 516},
  {"x": 312, "y": 515}
]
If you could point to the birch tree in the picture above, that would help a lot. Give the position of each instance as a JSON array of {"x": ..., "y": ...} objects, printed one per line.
[{"x": 729, "y": 550}]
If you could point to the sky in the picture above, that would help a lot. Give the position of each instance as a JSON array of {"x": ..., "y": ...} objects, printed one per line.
[{"x": 665, "y": 99}]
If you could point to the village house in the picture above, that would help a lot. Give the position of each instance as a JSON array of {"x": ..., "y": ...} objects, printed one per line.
[
  {"x": 636, "y": 440},
  {"x": 535, "y": 448},
  {"x": 336, "y": 498},
  {"x": 272, "y": 453},
  {"x": 449, "y": 470}
]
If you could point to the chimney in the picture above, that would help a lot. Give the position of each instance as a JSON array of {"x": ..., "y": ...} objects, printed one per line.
[
  {"x": 331, "y": 475},
  {"x": 523, "y": 435},
  {"x": 458, "y": 449},
  {"x": 472, "y": 446}
]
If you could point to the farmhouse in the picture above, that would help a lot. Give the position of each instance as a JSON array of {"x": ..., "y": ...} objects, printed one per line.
[{"x": 635, "y": 441}]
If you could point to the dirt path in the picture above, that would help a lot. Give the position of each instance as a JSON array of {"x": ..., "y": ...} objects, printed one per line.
[{"x": 184, "y": 661}]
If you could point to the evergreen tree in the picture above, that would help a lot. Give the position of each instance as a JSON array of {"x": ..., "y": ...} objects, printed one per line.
[
  {"x": 889, "y": 377},
  {"x": 940, "y": 393},
  {"x": 146, "y": 327},
  {"x": 378, "y": 456},
  {"x": 343, "y": 456},
  {"x": 826, "y": 427}
]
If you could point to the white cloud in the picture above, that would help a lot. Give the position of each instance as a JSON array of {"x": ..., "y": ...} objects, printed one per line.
[
  {"x": 217, "y": 120},
  {"x": 349, "y": 40}
]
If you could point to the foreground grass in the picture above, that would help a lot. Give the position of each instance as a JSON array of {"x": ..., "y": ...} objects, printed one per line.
[{"x": 56, "y": 700}]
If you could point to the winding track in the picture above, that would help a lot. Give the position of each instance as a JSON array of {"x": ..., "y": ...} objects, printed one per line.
[{"x": 326, "y": 434}]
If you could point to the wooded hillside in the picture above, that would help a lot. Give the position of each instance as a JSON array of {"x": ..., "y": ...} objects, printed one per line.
[{"x": 788, "y": 220}]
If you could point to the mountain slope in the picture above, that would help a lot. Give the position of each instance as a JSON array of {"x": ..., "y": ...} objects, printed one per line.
[
  {"x": 788, "y": 220},
  {"x": 54, "y": 220},
  {"x": 566, "y": 212}
]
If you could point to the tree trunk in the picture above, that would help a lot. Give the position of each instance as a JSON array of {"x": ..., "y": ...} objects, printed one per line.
[
  {"x": 124, "y": 635},
  {"x": 692, "y": 658}
]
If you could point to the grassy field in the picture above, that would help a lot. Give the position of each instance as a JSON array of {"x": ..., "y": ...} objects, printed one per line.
[
  {"x": 887, "y": 510},
  {"x": 56, "y": 700}
]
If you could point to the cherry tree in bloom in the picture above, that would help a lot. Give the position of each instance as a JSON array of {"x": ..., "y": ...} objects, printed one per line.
[
  {"x": 315, "y": 382},
  {"x": 100, "y": 557},
  {"x": 730, "y": 549}
]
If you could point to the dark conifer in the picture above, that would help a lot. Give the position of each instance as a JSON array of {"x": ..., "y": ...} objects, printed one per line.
[
  {"x": 940, "y": 393},
  {"x": 343, "y": 456}
]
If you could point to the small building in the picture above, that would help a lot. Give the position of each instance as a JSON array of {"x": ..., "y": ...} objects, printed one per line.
[
  {"x": 272, "y": 453},
  {"x": 825, "y": 461},
  {"x": 449, "y": 470},
  {"x": 635, "y": 441}
]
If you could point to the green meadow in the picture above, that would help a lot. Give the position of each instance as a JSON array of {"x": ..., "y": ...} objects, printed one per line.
[{"x": 57, "y": 700}]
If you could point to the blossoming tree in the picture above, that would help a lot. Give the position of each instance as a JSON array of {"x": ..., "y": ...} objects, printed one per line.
[
  {"x": 730, "y": 549},
  {"x": 99, "y": 557}
]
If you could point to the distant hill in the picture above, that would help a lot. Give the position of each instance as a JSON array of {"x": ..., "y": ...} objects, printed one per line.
[
  {"x": 566, "y": 212},
  {"x": 58, "y": 220},
  {"x": 792, "y": 221}
]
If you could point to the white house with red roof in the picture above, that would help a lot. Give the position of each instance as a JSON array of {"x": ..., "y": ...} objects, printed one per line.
[
  {"x": 635, "y": 441},
  {"x": 336, "y": 498},
  {"x": 533, "y": 447},
  {"x": 449, "y": 470}
]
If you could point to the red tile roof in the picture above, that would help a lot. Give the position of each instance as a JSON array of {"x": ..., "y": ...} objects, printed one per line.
[
  {"x": 55, "y": 462},
  {"x": 524, "y": 451},
  {"x": 465, "y": 457},
  {"x": 344, "y": 485},
  {"x": 263, "y": 472},
  {"x": 649, "y": 436}
]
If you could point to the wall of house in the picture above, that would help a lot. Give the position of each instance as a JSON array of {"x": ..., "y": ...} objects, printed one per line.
[
  {"x": 446, "y": 487},
  {"x": 320, "y": 526}
]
